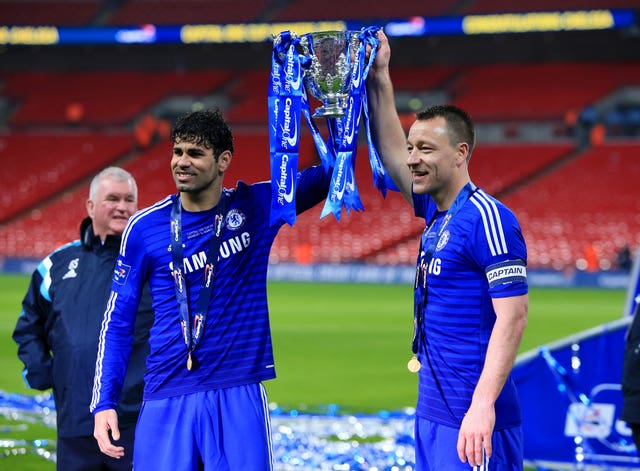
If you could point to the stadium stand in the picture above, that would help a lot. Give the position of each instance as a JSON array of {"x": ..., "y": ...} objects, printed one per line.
[
  {"x": 250, "y": 164},
  {"x": 114, "y": 115},
  {"x": 407, "y": 78},
  {"x": 171, "y": 12},
  {"x": 105, "y": 98},
  {"x": 248, "y": 94},
  {"x": 45, "y": 227},
  {"x": 163, "y": 12},
  {"x": 47, "y": 12},
  {"x": 497, "y": 168},
  {"x": 591, "y": 202},
  {"x": 39, "y": 166},
  {"x": 360, "y": 9},
  {"x": 386, "y": 232},
  {"x": 35, "y": 235},
  {"x": 543, "y": 91},
  {"x": 363, "y": 237}
]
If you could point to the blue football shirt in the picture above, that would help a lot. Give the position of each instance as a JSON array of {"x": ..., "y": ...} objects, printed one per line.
[
  {"x": 236, "y": 346},
  {"x": 480, "y": 254}
]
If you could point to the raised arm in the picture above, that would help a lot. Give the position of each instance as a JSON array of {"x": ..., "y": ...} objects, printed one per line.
[{"x": 388, "y": 135}]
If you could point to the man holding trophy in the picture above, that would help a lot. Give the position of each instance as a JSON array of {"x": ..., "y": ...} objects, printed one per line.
[
  {"x": 470, "y": 292},
  {"x": 210, "y": 345}
]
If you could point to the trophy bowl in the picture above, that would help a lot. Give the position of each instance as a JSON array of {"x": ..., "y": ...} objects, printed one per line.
[{"x": 333, "y": 57}]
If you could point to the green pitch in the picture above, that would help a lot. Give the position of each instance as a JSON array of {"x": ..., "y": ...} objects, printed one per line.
[
  {"x": 341, "y": 344},
  {"x": 349, "y": 344}
]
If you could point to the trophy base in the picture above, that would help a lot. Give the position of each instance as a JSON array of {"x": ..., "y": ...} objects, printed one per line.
[{"x": 335, "y": 111}]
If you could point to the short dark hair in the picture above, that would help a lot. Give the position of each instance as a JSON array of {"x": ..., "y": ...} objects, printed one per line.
[
  {"x": 459, "y": 124},
  {"x": 205, "y": 127}
]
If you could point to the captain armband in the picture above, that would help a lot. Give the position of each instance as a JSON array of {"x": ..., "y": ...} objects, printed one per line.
[{"x": 509, "y": 271}]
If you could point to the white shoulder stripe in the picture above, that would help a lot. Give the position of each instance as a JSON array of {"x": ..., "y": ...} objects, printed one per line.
[
  {"x": 494, "y": 210},
  {"x": 491, "y": 221},
  {"x": 139, "y": 215},
  {"x": 486, "y": 226}
]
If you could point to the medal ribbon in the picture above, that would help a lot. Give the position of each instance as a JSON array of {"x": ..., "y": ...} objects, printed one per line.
[
  {"x": 425, "y": 255},
  {"x": 193, "y": 333}
]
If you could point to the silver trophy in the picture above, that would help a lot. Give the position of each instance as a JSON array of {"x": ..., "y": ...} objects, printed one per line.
[{"x": 333, "y": 59}]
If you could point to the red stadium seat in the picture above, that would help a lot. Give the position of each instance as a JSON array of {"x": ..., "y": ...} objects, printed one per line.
[
  {"x": 39, "y": 166},
  {"x": 592, "y": 200},
  {"x": 297, "y": 10},
  {"x": 178, "y": 12},
  {"x": 90, "y": 120},
  {"x": 536, "y": 92},
  {"x": 48, "y": 13},
  {"x": 107, "y": 98}
]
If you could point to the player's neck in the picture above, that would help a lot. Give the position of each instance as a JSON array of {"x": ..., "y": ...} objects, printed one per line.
[
  {"x": 445, "y": 200},
  {"x": 202, "y": 200}
]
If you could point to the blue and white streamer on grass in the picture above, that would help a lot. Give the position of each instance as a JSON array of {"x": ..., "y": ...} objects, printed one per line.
[
  {"x": 19, "y": 413},
  {"x": 326, "y": 439}
]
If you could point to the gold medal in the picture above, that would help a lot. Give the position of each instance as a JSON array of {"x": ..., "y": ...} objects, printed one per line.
[
  {"x": 414, "y": 364},
  {"x": 189, "y": 362}
]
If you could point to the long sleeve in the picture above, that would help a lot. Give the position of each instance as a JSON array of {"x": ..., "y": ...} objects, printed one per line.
[
  {"x": 31, "y": 331},
  {"x": 117, "y": 330},
  {"x": 313, "y": 185}
]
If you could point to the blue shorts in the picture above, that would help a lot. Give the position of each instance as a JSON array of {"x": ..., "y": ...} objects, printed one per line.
[
  {"x": 436, "y": 449},
  {"x": 222, "y": 430}
]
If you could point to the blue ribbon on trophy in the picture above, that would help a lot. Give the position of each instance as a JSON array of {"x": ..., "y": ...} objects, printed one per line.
[
  {"x": 285, "y": 101},
  {"x": 332, "y": 66}
]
